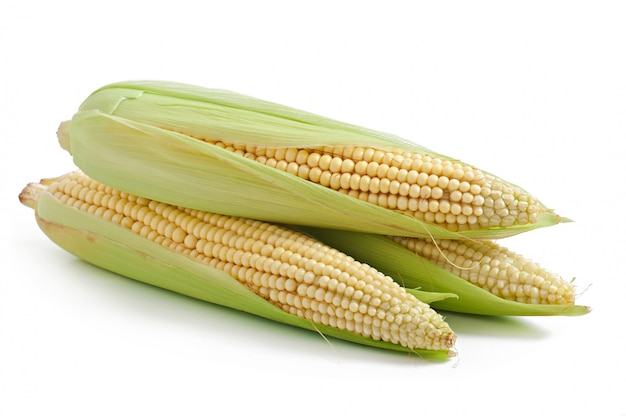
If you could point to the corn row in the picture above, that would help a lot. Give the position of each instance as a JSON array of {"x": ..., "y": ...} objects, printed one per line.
[
  {"x": 291, "y": 270},
  {"x": 494, "y": 268},
  {"x": 432, "y": 189}
]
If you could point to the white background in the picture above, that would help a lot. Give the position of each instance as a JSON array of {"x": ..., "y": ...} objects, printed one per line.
[{"x": 534, "y": 91}]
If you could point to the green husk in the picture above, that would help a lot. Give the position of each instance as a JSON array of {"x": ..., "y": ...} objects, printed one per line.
[
  {"x": 413, "y": 271},
  {"x": 116, "y": 249},
  {"x": 125, "y": 136}
]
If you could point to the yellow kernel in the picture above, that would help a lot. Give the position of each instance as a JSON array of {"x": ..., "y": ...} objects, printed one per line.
[{"x": 335, "y": 165}]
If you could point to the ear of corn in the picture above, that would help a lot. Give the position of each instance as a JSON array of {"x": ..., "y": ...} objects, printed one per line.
[
  {"x": 256, "y": 267},
  {"x": 487, "y": 278},
  {"x": 184, "y": 144}
]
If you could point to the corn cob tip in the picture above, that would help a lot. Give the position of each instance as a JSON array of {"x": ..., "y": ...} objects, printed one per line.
[
  {"x": 63, "y": 135},
  {"x": 30, "y": 194}
]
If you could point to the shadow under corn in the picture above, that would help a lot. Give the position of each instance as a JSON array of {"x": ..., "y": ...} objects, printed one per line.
[{"x": 497, "y": 326}]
